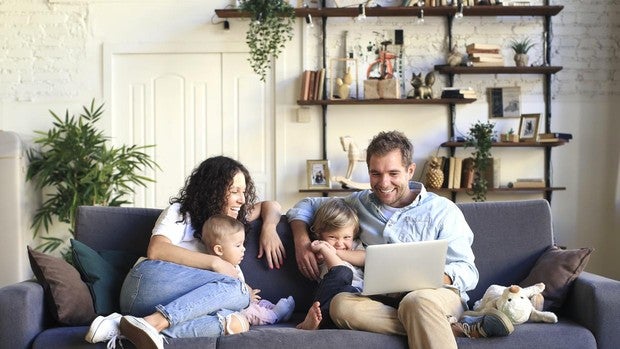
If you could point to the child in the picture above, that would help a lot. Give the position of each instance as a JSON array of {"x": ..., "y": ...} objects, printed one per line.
[
  {"x": 335, "y": 227},
  {"x": 224, "y": 236}
]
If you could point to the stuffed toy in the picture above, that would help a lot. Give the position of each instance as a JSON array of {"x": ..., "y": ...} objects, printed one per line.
[{"x": 519, "y": 304}]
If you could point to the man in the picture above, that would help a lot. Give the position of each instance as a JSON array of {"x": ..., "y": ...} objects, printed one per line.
[{"x": 396, "y": 210}]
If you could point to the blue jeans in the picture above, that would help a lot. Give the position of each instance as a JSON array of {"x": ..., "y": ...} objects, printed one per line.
[{"x": 195, "y": 301}]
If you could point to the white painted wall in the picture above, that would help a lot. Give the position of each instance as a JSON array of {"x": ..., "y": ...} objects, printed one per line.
[{"x": 51, "y": 57}]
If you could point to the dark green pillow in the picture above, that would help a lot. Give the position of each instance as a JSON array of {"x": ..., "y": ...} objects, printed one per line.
[{"x": 104, "y": 273}]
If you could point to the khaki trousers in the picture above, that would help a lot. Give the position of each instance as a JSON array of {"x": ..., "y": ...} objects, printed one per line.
[{"x": 423, "y": 316}]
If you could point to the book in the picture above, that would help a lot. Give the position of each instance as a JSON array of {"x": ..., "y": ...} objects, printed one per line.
[
  {"x": 459, "y": 94},
  {"x": 560, "y": 135},
  {"x": 311, "y": 85},
  {"x": 529, "y": 183},
  {"x": 305, "y": 81},
  {"x": 321, "y": 84},
  {"x": 482, "y": 48},
  {"x": 487, "y": 64},
  {"x": 458, "y": 168},
  {"x": 467, "y": 173},
  {"x": 486, "y": 58},
  {"x": 451, "y": 166},
  {"x": 445, "y": 168}
]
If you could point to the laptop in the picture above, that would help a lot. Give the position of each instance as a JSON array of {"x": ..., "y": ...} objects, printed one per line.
[{"x": 404, "y": 267}]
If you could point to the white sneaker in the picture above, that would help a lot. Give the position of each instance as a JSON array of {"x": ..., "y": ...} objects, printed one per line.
[
  {"x": 141, "y": 333},
  {"x": 104, "y": 328}
]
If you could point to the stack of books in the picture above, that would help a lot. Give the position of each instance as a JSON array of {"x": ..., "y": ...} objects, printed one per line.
[
  {"x": 458, "y": 93},
  {"x": 312, "y": 82},
  {"x": 485, "y": 55}
]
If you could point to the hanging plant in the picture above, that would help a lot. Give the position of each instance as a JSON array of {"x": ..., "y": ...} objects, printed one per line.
[
  {"x": 271, "y": 27},
  {"x": 480, "y": 137},
  {"x": 74, "y": 161}
]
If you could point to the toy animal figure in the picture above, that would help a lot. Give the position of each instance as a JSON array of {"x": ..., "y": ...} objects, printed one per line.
[
  {"x": 519, "y": 304},
  {"x": 422, "y": 89},
  {"x": 354, "y": 154},
  {"x": 455, "y": 57}
]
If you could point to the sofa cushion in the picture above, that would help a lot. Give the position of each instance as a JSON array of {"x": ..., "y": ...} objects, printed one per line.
[
  {"x": 66, "y": 295},
  {"x": 557, "y": 269},
  {"x": 104, "y": 273}
]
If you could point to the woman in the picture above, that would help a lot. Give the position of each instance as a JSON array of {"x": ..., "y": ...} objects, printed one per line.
[{"x": 179, "y": 290}]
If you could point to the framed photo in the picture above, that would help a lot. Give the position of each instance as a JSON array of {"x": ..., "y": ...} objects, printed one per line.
[
  {"x": 528, "y": 128},
  {"x": 318, "y": 174},
  {"x": 504, "y": 102}
]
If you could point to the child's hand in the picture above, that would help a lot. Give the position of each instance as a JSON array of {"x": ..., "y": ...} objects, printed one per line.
[{"x": 254, "y": 294}]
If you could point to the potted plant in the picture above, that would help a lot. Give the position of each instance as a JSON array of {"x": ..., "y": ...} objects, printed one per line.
[
  {"x": 75, "y": 166},
  {"x": 521, "y": 48},
  {"x": 510, "y": 136},
  {"x": 480, "y": 137},
  {"x": 271, "y": 27}
]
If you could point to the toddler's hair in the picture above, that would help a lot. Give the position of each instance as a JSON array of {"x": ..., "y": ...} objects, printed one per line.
[
  {"x": 217, "y": 227},
  {"x": 332, "y": 215}
]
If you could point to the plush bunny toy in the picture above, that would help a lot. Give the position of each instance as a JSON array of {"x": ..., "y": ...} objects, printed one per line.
[{"x": 519, "y": 304}]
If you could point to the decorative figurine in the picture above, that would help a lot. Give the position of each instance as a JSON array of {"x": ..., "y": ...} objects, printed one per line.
[
  {"x": 344, "y": 84},
  {"x": 422, "y": 89},
  {"x": 455, "y": 57}
]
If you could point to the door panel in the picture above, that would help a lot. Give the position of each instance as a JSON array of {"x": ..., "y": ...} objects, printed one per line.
[{"x": 180, "y": 103}]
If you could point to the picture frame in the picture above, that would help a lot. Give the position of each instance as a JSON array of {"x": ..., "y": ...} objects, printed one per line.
[
  {"x": 528, "y": 127},
  {"x": 504, "y": 102},
  {"x": 318, "y": 174}
]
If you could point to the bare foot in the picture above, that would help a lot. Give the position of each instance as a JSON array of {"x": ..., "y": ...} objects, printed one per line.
[{"x": 313, "y": 318}]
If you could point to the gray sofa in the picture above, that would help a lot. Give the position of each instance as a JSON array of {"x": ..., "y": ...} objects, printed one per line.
[{"x": 509, "y": 238}]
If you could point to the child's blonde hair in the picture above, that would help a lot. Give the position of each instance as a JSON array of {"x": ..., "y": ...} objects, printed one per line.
[
  {"x": 217, "y": 227},
  {"x": 332, "y": 215}
]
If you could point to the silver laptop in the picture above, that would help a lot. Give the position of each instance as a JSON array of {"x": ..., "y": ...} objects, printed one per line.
[{"x": 404, "y": 267}]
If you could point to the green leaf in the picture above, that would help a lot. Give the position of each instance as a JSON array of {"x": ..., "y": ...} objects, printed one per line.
[{"x": 74, "y": 163}]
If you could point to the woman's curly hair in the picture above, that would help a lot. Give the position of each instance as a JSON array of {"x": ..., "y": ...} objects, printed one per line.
[{"x": 206, "y": 191}]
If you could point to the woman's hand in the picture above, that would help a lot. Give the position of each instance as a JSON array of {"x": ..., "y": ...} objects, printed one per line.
[
  {"x": 271, "y": 247},
  {"x": 270, "y": 244}
]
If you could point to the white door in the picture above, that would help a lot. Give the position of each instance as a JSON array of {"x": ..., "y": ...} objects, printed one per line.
[{"x": 191, "y": 106}]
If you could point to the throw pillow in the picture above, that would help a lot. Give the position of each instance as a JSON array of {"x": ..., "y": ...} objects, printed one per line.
[
  {"x": 104, "y": 273},
  {"x": 66, "y": 296},
  {"x": 557, "y": 268}
]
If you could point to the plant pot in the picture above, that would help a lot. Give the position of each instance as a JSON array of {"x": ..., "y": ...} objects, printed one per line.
[{"x": 521, "y": 59}]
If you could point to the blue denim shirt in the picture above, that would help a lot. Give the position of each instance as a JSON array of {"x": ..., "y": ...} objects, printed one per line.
[{"x": 428, "y": 217}]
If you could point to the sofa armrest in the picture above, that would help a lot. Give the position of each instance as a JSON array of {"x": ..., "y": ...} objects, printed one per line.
[
  {"x": 23, "y": 314},
  {"x": 594, "y": 302}
]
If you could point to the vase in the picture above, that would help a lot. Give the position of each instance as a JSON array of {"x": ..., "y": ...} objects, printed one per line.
[{"x": 521, "y": 59}]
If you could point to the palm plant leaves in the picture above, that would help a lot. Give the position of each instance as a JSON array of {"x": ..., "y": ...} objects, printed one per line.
[{"x": 75, "y": 166}]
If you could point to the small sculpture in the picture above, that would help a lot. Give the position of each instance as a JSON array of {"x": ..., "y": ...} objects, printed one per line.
[
  {"x": 434, "y": 176},
  {"x": 344, "y": 84},
  {"x": 354, "y": 154},
  {"x": 422, "y": 89},
  {"x": 455, "y": 57}
]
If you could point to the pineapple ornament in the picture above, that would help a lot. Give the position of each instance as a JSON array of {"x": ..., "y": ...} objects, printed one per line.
[{"x": 434, "y": 176}]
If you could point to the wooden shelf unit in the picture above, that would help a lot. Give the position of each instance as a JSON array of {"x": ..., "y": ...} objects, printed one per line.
[
  {"x": 445, "y": 101},
  {"x": 546, "y": 11},
  {"x": 412, "y": 11}
]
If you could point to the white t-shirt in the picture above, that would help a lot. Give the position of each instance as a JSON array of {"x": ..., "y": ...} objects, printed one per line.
[{"x": 180, "y": 233}]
